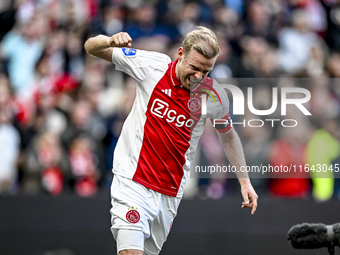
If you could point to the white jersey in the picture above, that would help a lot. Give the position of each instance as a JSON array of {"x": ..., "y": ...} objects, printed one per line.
[{"x": 161, "y": 133}]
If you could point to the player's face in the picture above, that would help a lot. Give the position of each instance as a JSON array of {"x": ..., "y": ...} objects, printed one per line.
[{"x": 193, "y": 67}]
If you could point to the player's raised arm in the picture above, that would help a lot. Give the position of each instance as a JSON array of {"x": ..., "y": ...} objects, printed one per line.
[{"x": 101, "y": 46}]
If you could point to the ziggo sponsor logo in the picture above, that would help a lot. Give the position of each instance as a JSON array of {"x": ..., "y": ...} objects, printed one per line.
[{"x": 161, "y": 109}]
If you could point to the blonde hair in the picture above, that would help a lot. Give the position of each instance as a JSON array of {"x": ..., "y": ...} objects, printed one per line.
[{"x": 203, "y": 40}]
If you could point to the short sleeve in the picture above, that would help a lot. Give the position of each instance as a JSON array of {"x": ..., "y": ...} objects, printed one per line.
[
  {"x": 220, "y": 118},
  {"x": 139, "y": 63}
]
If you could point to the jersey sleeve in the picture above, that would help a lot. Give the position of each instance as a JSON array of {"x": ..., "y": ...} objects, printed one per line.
[
  {"x": 138, "y": 63},
  {"x": 221, "y": 119}
]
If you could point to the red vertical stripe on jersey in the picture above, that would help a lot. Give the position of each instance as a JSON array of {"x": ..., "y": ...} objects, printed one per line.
[{"x": 166, "y": 137}]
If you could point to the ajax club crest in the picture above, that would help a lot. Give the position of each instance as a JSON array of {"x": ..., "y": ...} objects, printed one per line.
[
  {"x": 132, "y": 215},
  {"x": 194, "y": 104}
]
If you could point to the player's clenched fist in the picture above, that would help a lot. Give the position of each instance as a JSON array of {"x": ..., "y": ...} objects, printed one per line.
[
  {"x": 101, "y": 46},
  {"x": 121, "y": 40}
]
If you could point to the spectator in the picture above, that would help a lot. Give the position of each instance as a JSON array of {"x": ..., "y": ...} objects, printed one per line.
[
  {"x": 73, "y": 56},
  {"x": 9, "y": 154},
  {"x": 295, "y": 43},
  {"x": 259, "y": 21},
  {"x": 112, "y": 20},
  {"x": 188, "y": 18},
  {"x": 83, "y": 122},
  {"x": 83, "y": 167},
  {"x": 45, "y": 167},
  {"x": 256, "y": 57},
  {"x": 288, "y": 151},
  {"x": 142, "y": 23},
  {"x": 23, "y": 47},
  {"x": 323, "y": 147},
  {"x": 333, "y": 24}
]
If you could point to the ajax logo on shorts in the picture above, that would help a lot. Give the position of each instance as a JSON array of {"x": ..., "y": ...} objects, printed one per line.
[
  {"x": 132, "y": 215},
  {"x": 129, "y": 52}
]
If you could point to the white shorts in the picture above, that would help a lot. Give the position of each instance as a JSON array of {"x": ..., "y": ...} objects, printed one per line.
[{"x": 137, "y": 208}]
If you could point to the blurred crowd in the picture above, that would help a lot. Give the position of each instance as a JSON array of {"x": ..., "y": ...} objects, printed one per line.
[{"x": 61, "y": 110}]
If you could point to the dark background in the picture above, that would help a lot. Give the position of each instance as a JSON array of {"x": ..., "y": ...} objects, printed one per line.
[{"x": 73, "y": 225}]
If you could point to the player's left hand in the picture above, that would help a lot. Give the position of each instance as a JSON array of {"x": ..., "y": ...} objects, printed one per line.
[{"x": 249, "y": 196}]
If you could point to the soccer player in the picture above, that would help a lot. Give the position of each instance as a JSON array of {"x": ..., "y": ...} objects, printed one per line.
[{"x": 160, "y": 135}]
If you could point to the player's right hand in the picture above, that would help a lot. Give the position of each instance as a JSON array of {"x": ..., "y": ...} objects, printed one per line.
[{"x": 120, "y": 40}]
